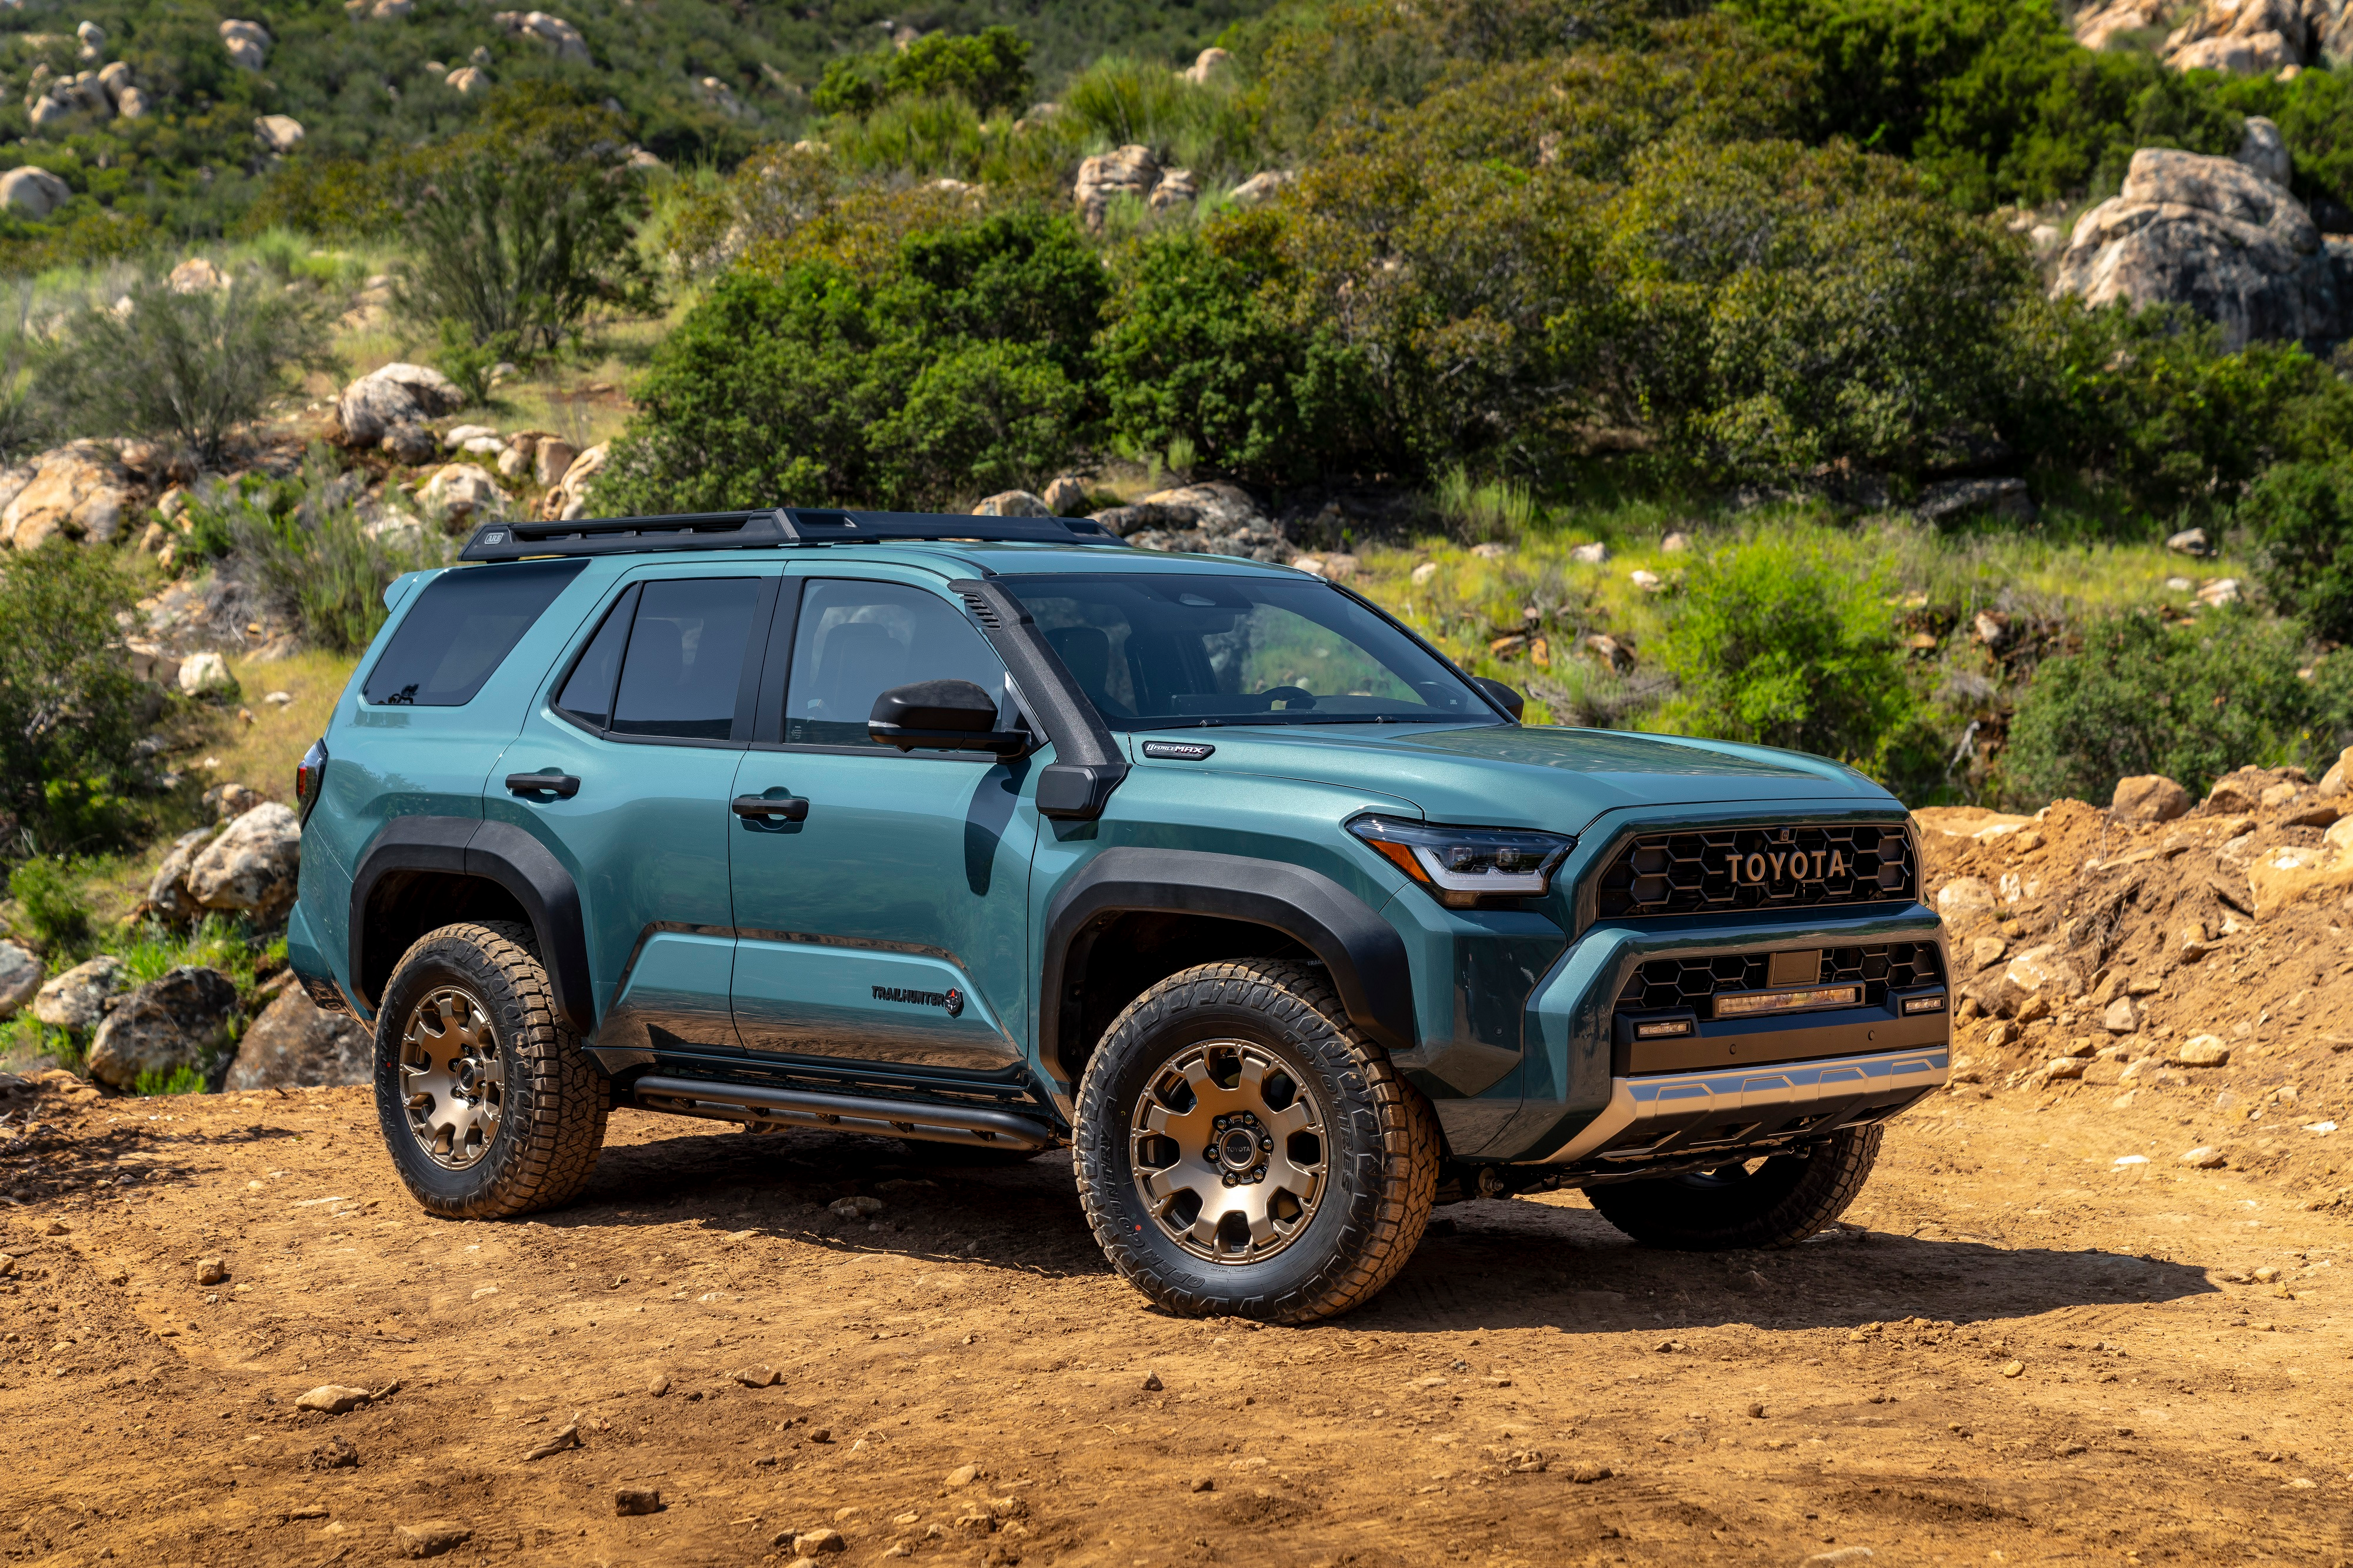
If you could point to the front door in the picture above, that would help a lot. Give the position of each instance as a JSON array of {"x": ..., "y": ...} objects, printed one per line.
[
  {"x": 887, "y": 924},
  {"x": 639, "y": 734}
]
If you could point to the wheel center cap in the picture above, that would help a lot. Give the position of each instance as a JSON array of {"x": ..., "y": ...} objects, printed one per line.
[{"x": 1237, "y": 1149}]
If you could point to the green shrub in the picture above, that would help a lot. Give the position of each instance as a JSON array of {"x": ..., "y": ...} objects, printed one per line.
[
  {"x": 182, "y": 1080},
  {"x": 188, "y": 368},
  {"x": 1787, "y": 639},
  {"x": 1498, "y": 509},
  {"x": 470, "y": 364},
  {"x": 70, "y": 713},
  {"x": 55, "y": 908},
  {"x": 520, "y": 232},
  {"x": 2140, "y": 697},
  {"x": 988, "y": 70},
  {"x": 301, "y": 546},
  {"x": 2299, "y": 518},
  {"x": 983, "y": 417}
]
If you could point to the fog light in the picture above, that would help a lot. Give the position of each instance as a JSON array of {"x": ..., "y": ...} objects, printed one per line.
[
  {"x": 1924, "y": 1004},
  {"x": 1663, "y": 1029}
]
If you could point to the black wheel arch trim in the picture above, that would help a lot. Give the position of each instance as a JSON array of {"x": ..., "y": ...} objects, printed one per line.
[
  {"x": 1364, "y": 953},
  {"x": 498, "y": 852}
]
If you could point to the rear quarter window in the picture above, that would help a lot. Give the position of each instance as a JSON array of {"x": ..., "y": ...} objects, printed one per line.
[{"x": 460, "y": 629}]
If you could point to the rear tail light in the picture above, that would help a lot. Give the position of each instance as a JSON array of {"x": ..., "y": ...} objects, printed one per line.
[{"x": 310, "y": 775}]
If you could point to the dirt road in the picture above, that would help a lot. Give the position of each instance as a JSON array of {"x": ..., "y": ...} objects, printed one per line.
[{"x": 2024, "y": 1353}]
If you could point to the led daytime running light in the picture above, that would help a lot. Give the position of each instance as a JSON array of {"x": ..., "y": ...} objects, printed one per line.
[{"x": 1463, "y": 866}]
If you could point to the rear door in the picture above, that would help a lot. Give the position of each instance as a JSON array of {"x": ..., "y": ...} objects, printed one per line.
[
  {"x": 638, "y": 734},
  {"x": 887, "y": 924}
]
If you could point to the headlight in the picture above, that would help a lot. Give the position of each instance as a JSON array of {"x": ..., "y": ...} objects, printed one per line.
[{"x": 1464, "y": 866}]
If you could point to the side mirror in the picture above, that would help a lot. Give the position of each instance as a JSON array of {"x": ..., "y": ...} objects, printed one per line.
[
  {"x": 1510, "y": 700},
  {"x": 942, "y": 716}
]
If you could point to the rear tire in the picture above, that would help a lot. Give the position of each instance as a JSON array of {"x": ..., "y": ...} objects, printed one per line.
[
  {"x": 1242, "y": 1150},
  {"x": 1779, "y": 1204},
  {"x": 488, "y": 1104}
]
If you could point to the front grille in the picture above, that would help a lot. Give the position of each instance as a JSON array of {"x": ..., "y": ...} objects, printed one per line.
[
  {"x": 1664, "y": 983},
  {"x": 1798, "y": 866}
]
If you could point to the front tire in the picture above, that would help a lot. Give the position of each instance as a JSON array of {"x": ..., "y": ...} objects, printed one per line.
[
  {"x": 488, "y": 1104},
  {"x": 1780, "y": 1203},
  {"x": 1242, "y": 1150}
]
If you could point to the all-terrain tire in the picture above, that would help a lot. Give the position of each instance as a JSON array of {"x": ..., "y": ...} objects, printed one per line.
[
  {"x": 1380, "y": 1144},
  {"x": 552, "y": 1101},
  {"x": 1781, "y": 1202}
]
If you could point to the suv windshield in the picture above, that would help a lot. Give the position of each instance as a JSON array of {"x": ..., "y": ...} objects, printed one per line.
[{"x": 1163, "y": 652}]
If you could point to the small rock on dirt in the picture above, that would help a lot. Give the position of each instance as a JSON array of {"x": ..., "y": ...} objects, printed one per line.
[
  {"x": 857, "y": 1207},
  {"x": 1843, "y": 1554},
  {"x": 1203, "y": 1484},
  {"x": 820, "y": 1543},
  {"x": 1586, "y": 1475},
  {"x": 629, "y": 1500},
  {"x": 2200, "y": 1051},
  {"x": 211, "y": 1270},
  {"x": 758, "y": 1376},
  {"x": 964, "y": 1475},
  {"x": 334, "y": 1398},
  {"x": 334, "y": 1454},
  {"x": 2149, "y": 798},
  {"x": 659, "y": 1386},
  {"x": 430, "y": 1538},
  {"x": 2203, "y": 1158},
  {"x": 2013, "y": 1369},
  {"x": 1756, "y": 1412},
  {"x": 1152, "y": 1383}
]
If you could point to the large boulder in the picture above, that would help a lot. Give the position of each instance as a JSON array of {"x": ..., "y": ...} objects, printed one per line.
[
  {"x": 168, "y": 892},
  {"x": 1128, "y": 171},
  {"x": 179, "y": 1021},
  {"x": 2213, "y": 234},
  {"x": 395, "y": 394},
  {"x": 281, "y": 133},
  {"x": 33, "y": 192},
  {"x": 252, "y": 865},
  {"x": 297, "y": 1045},
  {"x": 553, "y": 32},
  {"x": 570, "y": 498},
  {"x": 2250, "y": 36},
  {"x": 1013, "y": 503},
  {"x": 20, "y": 978},
  {"x": 247, "y": 43},
  {"x": 1216, "y": 519},
  {"x": 76, "y": 490},
  {"x": 77, "y": 999},
  {"x": 461, "y": 493}
]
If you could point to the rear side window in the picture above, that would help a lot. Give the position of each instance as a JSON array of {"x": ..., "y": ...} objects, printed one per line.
[
  {"x": 684, "y": 664},
  {"x": 460, "y": 630}
]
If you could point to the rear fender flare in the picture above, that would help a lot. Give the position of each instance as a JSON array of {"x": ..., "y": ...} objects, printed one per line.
[{"x": 497, "y": 852}]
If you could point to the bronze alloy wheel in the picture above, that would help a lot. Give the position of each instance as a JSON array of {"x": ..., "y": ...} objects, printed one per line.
[
  {"x": 453, "y": 1077},
  {"x": 1228, "y": 1152}
]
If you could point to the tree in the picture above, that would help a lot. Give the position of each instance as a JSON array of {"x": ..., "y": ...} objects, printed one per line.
[
  {"x": 70, "y": 710},
  {"x": 2300, "y": 519},
  {"x": 989, "y": 71}
]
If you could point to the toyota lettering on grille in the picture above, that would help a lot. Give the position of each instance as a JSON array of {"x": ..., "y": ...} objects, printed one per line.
[{"x": 1760, "y": 869}]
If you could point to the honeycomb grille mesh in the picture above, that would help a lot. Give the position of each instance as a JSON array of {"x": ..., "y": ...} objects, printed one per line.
[
  {"x": 1733, "y": 869},
  {"x": 1670, "y": 983}
]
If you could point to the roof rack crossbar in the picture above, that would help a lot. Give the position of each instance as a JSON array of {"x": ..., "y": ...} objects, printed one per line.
[{"x": 779, "y": 526}]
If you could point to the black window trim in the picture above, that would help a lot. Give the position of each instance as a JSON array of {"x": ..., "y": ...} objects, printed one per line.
[
  {"x": 775, "y": 678},
  {"x": 748, "y": 680}
]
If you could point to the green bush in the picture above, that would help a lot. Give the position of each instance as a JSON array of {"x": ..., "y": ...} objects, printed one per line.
[
  {"x": 70, "y": 713},
  {"x": 1787, "y": 639},
  {"x": 55, "y": 909},
  {"x": 2299, "y": 518},
  {"x": 182, "y": 1080},
  {"x": 188, "y": 368},
  {"x": 2191, "y": 702},
  {"x": 989, "y": 71},
  {"x": 301, "y": 546},
  {"x": 520, "y": 232}
]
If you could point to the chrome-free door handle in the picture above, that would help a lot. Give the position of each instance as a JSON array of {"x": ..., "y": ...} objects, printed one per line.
[
  {"x": 791, "y": 807},
  {"x": 563, "y": 786}
]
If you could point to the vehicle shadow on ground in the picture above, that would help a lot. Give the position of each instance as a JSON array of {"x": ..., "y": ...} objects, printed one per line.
[{"x": 1484, "y": 1265}]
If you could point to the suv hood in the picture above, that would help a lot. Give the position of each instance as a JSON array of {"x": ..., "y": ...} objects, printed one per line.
[{"x": 1511, "y": 776}]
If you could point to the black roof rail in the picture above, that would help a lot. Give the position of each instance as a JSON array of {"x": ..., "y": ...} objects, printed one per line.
[{"x": 770, "y": 528}]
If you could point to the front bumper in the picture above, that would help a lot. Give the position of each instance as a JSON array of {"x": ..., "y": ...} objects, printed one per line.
[{"x": 1672, "y": 1118}]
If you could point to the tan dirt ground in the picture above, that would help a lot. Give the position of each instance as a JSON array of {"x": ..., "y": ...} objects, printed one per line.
[{"x": 2160, "y": 1413}]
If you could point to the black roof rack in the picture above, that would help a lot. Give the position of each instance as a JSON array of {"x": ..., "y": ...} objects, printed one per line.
[{"x": 776, "y": 526}]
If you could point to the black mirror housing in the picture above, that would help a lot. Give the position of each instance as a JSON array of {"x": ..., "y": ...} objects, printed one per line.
[
  {"x": 942, "y": 716},
  {"x": 1511, "y": 701}
]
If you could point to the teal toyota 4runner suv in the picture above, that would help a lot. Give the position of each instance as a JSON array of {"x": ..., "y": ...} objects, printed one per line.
[{"x": 997, "y": 832}]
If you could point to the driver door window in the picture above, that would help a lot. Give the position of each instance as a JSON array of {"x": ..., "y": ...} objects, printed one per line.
[{"x": 858, "y": 639}]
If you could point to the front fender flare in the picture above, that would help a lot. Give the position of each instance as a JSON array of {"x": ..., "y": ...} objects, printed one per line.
[
  {"x": 497, "y": 852},
  {"x": 1366, "y": 956}
]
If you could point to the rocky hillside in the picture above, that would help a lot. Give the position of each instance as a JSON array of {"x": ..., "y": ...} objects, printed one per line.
[{"x": 2188, "y": 952}]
